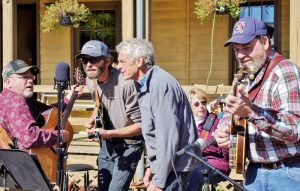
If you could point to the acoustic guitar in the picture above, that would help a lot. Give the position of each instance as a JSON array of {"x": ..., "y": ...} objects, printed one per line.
[
  {"x": 5, "y": 141},
  {"x": 237, "y": 150},
  {"x": 47, "y": 155}
]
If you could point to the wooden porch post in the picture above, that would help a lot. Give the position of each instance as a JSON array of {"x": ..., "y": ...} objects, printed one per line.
[
  {"x": 9, "y": 37},
  {"x": 295, "y": 31},
  {"x": 127, "y": 19}
]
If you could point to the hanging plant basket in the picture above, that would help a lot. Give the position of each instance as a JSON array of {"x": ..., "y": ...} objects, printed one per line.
[
  {"x": 205, "y": 9},
  {"x": 65, "y": 20},
  {"x": 222, "y": 10},
  {"x": 64, "y": 13}
]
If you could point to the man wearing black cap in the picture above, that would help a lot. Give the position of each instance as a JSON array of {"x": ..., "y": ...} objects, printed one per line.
[
  {"x": 271, "y": 105},
  {"x": 122, "y": 142}
]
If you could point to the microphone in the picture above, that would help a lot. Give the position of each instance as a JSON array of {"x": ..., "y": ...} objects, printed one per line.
[
  {"x": 62, "y": 76},
  {"x": 197, "y": 144}
]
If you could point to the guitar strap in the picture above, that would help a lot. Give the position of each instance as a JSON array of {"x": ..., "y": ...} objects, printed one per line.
[
  {"x": 254, "y": 91},
  {"x": 208, "y": 125},
  {"x": 98, "y": 103},
  {"x": 96, "y": 94}
]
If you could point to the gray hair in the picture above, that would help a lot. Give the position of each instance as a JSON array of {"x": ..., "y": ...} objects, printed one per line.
[{"x": 137, "y": 48}]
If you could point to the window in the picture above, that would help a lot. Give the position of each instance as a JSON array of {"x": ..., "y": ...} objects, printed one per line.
[
  {"x": 101, "y": 26},
  {"x": 104, "y": 25},
  {"x": 263, "y": 11}
]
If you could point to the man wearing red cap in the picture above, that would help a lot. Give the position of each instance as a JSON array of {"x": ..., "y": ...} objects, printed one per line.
[{"x": 270, "y": 102}]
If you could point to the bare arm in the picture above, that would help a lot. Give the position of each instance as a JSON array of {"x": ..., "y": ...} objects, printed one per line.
[{"x": 128, "y": 131}]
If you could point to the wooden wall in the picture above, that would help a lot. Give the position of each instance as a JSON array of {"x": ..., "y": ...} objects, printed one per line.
[
  {"x": 55, "y": 47},
  {"x": 295, "y": 32},
  {"x": 284, "y": 19},
  {"x": 182, "y": 44}
]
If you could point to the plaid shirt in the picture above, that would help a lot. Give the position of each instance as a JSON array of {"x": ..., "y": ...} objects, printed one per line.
[{"x": 274, "y": 128}]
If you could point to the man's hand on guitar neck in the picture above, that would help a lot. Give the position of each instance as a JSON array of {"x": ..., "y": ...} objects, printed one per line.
[
  {"x": 222, "y": 136},
  {"x": 77, "y": 88},
  {"x": 240, "y": 106}
]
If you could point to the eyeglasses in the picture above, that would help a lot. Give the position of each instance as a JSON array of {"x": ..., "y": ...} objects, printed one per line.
[
  {"x": 92, "y": 60},
  {"x": 30, "y": 77},
  {"x": 198, "y": 103}
]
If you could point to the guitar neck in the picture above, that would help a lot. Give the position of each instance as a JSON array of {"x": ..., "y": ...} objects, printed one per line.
[
  {"x": 208, "y": 143},
  {"x": 68, "y": 109}
]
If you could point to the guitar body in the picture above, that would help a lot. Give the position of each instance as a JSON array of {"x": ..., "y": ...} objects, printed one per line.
[
  {"x": 47, "y": 155},
  {"x": 241, "y": 147},
  {"x": 5, "y": 140},
  {"x": 237, "y": 150}
]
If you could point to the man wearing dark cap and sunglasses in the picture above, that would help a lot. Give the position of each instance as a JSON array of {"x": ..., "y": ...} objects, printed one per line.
[
  {"x": 20, "y": 114},
  {"x": 120, "y": 118},
  {"x": 271, "y": 105}
]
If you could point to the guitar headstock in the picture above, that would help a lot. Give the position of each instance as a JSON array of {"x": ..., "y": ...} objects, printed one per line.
[
  {"x": 241, "y": 76},
  {"x": 79, "y": 76}
]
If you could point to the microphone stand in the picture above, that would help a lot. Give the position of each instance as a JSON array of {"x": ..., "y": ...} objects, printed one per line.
[
  {"x": 210, "y": 167},
  {"x": 60, "y": 172}
]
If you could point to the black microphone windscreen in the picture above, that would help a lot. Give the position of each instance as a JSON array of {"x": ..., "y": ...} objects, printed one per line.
[{"x": 62, "y": 72}]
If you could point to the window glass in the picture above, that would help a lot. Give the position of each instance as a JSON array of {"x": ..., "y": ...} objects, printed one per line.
[
  {"x": 101, "y": 26},
  {"x": 263, "y": 12}
]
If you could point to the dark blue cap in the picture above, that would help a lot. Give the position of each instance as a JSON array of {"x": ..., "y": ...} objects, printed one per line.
[{"x": 246, "y": 29}]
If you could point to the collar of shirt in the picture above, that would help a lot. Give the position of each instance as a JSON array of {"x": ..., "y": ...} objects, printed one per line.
[
  {"x": 142, "y": 83},
  {"x": 112, "y": 70}
]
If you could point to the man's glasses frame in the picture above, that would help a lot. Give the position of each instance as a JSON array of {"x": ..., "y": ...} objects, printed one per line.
[{"x": 29, "y": 77}]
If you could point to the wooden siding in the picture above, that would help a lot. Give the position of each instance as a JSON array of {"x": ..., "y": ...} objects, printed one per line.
[
  {"x": 55, "y": 47},
  {"x": 182, "y": 44},
  {"x": 295, "y": 31},
  {"x": 285, "y": 30}
]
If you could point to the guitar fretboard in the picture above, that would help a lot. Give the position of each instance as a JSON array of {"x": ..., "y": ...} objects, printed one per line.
[{"x": 232, "y": 151}]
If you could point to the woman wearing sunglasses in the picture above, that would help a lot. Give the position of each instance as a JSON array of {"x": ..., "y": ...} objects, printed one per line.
[{"x": 206, "y": 123}]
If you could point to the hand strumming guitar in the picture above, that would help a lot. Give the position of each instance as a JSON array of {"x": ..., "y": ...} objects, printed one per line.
[
  {"x": 239, "y": 106},
  {"x": 90, "y": 127},
  {"x": 222, "y": 136}
]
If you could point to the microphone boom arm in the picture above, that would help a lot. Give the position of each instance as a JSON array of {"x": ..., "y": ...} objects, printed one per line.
[{"x": 200, "y": 159}]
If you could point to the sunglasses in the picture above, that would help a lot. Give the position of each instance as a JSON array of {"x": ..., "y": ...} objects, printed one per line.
[
  {"x": 92, "y": 60},
  {"x": 198, "y": 103}
]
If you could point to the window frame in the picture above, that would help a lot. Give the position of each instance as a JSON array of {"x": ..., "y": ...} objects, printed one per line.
[
  {"x": 276, "y": 34},
  {"x": 116, "y": 6}
]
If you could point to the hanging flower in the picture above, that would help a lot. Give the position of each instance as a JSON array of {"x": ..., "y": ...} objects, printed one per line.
[
  {"x": 64, "y": 12},
  {"x": 204, "y": 9}
]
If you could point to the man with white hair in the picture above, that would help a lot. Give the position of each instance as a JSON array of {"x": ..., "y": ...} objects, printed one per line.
[{"x": 167, "y": 119}]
